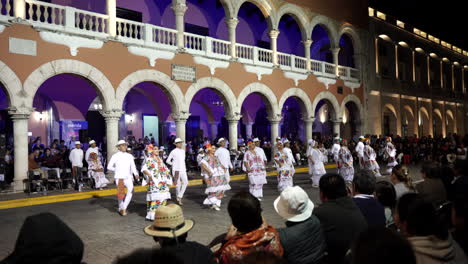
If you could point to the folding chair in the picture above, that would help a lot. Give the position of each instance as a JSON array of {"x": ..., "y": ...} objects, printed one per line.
[
  {"x": 86, "y": 178},
  {"x": 53, "y": 178},
  {"x": 35, "y": 181}
]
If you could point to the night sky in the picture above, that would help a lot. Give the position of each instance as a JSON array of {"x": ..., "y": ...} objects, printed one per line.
[{"x": 446, "y": 20}]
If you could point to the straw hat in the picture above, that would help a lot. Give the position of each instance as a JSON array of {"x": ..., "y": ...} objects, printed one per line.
[
  {"x": 220, "y": 140},
  {"x": 92, "y": 142},
  {"x": 77, "y": 143},
  {"x": 178, "y": 140},
  {"x": 121, "y": 142},
  {"x": 294, "y": 204},
  {"x": 256, "y": 139},
  {"x": 169, "y": 222}
]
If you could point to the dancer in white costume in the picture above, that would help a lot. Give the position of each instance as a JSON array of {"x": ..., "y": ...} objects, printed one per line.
[
  {"x": 285, "y": 168},
  {"x": 255, "y": 167},
  {"x": 345, "y": 162},
  {"x": 360, "y": 151},
  {"x": 179, "y": 171},
  {"x": 316, "y": 167},
  {"x": 224, "y": 157},
  {"x": 369, "y": 161},
  {"x": 390, "y": 154}
]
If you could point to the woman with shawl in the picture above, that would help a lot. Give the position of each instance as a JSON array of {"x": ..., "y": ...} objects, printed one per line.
[
  {"x": 158, "y": 180},
  {"x": 214, "y": 174}
]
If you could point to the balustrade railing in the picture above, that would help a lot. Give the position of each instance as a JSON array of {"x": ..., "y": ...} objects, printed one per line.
[{"x": 69, "y": 19}]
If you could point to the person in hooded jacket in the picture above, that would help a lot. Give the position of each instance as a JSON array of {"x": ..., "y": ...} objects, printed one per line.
[
  {"x": 45, "y": 239},
  {"x": 416, "y": 219}
]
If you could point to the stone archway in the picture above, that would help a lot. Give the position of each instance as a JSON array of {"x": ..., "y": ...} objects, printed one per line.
[
  {"x": 12, "y": 85},
  {"x": 390, "y": 120}
]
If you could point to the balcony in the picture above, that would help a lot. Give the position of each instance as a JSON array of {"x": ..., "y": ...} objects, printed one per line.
[{"x": 70, "y": 20}]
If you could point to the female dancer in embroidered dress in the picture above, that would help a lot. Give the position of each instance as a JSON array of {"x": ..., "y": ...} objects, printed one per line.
[
  {"x": 255, "y": 167},
  {"x": 345, "y": 162},
  {"x": 390, "y": 154},
  {"x": 96, "y": 171},
  {"x": 157, "y": 178},
  {"x": 285, "y": 167},
  {"x": 368, "y": 159},
  {"x": 316, "y": 167},
  {"x": 214, "y": 174}
]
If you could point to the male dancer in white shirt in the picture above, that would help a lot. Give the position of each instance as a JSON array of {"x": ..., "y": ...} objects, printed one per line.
[
  {"x": 288, "y": 151},
  {"x": 92, "y": 149},
  {"x": 177, "y": 160},
  {"x": 76, "y": 159},
  {"x": 123, "y": 165},
  {"x": 224, "y": 157},
  {"x": 336, "y": 149},
  {"x": 360, "y": 151}
]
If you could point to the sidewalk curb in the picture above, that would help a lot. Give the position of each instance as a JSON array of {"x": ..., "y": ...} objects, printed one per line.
[{"x": 96, "y": 194}]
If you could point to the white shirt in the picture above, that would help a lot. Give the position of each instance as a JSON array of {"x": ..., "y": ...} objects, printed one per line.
[
  {"x": 123, "y": 165},
  {"x": 91, "y": 150},
  {"x": 261, "y": 153},
  {"x": 335, "y": 149},
  {"x": 177, "y": 160},
  {"x": 360, "y": 149},
  {"x": 290, "y": 155},
  {"x": 76, "y": 157},
  {"x": 224, "y": 157}
]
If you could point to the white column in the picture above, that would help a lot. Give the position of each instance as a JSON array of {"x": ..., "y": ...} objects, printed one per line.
[
  {"x": 428, "y": 71},
  {"x": 20, "y": 144},
  {"x": 307, "y": 45},
  {"x": 112, "y": 130},
  {"x": 214, "y": 129},
  {"x": 308, "y": 123},
  {"x": 179, "y": 11},
  {"x": 376, "y": 47},
  {"x": 336, "y": 127},
  {"x": 180, "y": 120},
  {"x": 453, "y": 77},
  {"x": 233, "y": 121},
  {"x": 335, "y": 52},
  {"x": 19, "y": 8},
  {"x": 413, "y": 65},
  {"x": 442, "y": 74},
  {"x": 274, "y": 124},
  {"x": 274, "y": 33},
  {"x": 463, "y": 79},
  {"x": 248, "y": 129},
  {"x": 111, "y": 7},
  {"x": 232, "y": 25},
  {"x": 396, "y": 61}
]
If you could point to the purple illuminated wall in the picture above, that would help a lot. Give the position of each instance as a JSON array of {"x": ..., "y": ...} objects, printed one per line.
[
  {"x": 203, "y": 106},
  {"x": 3, "y": 98},
  {"x": 292, "y": 124},
  {"x": 252, "y": 25},
  {"x": 345, "y": 56},
  {"x": 289, "y": 39},
  {"x": 326, "y": 128},
  {"x": 320, "y": 49}
]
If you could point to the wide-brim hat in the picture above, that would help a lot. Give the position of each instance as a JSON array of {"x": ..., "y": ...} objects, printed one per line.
[
  {"x": 178, "y": 140},
  {"x": 221, "y": 140},
  {"x": 77, "y": 143},
  {"x": 169, "y": 222},
  {"x": 121, "y": 142},
  {"x": 92, "y": 142},
  {"x": 282, "y": 204}
]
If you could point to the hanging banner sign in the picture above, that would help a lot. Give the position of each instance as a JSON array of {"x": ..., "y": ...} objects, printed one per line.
[{"x": 184, "y": 73}]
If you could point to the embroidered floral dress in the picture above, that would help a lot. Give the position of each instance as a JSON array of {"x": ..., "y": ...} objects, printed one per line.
[
  {"x": 98, "y": 176},
  {"x": 369, "y": 161},
  {"x": 285, "y": 170},
  {"x": 257, "y": 173},
  {"x": 390, "y": 154},
  {"x": 216, "y": 184},
  {"x": 158, "y": 184},
  {"x": 316, "y": 167},
  {"x": 345, "y": 164}
]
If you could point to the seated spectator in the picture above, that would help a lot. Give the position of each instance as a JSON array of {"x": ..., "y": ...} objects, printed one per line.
[
  {"x": 302, "y": 239},
  {"x": 363, "y": 192},
  {"x": 262, "y": 257},
  {"x": 45, "y": 239},
  {"x": 401, "y": 180},
  {"x": 149, "y": 256},
  {"x": 386, "y": 194},
  {"x": 432, "y": 188},
  {"x": 459, "y": 221},
  {"x": 341, "y": 219},
  {"x": 416, "y": 218},
  {"x": 170, "y": 230},
  {"x": 459, "y": 185},
  {"x": 33, "y": 164},
  {"x": 383, "y": 246},
  {"x": 248, "y": 231}
]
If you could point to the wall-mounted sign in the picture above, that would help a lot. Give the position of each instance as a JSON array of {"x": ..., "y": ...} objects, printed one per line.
[{"x": 184, "y": 73}]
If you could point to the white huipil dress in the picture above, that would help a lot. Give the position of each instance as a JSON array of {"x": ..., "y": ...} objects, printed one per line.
[
  {"x": 316, "y": 168},
  {"x": 345, "y": 164}
]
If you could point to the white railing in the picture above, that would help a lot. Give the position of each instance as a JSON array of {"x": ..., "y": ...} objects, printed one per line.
[
  {"x": 72, "y": 20},
  {"x": 163, "y": 36},
  {"x": 45, "y": 13},
  {"x": 6, "y": 9},
  {"x": 130, "y": 29},
  {"x": 89, "y": 21}
]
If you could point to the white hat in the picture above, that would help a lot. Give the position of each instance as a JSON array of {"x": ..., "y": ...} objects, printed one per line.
[
  {"x": 361, "y": 137},
  {"x": 200, "y": 150},
  {"x": 278, "y": 138},
  {"x": 310, "y": 141},
  {"x": 121, "y": 142},
  {"x": 285, "y": 141},
  {"x": 178, "y": 140},
  {"x": 221, "y": 139},
  {"x": 256, "y": 140},
  {"x": 161, "y": 148},
  {"x": 92, "y": 142},
  {"x": 294, "y": 204},
  {"x": 77, "y": 143}
]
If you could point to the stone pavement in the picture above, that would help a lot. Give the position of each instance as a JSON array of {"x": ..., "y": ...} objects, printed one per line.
[{"x": 107, "y": 235}]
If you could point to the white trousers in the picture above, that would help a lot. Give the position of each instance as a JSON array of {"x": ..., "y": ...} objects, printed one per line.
[
  {"x": 181, "y": 184},
  {"x": 129, "y": 184},
  {"x": 228, "y": 176}
]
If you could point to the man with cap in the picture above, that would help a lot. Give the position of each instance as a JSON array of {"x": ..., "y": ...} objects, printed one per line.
[
  {"x": 224, "y": 156},
  {"x": 360, "y": 151},
  {"x": 123, "y": 165},
  {"x": 260, "y": 150},
  {"x": 302, "y": 239},
  {"x": 177, "y": 160},
  {"x": 92, "y": 149},
  {"x": 170, "y": 229},
  {"x": 76, "y": 160}
]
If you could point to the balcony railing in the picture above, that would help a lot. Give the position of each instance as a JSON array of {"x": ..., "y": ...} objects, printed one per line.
[{"x": 71, "y": 20}]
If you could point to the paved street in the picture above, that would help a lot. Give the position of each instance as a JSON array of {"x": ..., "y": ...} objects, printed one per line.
[{"x": 102, "y": 229}]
